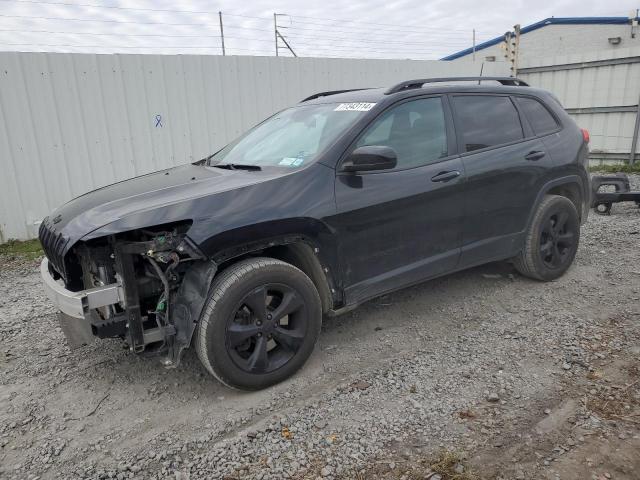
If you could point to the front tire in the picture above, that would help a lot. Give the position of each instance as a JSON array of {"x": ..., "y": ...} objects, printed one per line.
[
  {"x": 552, "y": 240},
  {"x": 260, "y": 324}
]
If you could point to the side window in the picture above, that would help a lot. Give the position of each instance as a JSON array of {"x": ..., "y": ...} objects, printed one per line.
[
  {"x": 539, "y": 117},
  {"x": 486, "y": 121},
  {"x": 415, "y": 130}
]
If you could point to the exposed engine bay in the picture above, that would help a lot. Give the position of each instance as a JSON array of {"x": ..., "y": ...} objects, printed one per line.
[{"x": 163, "y": 280}]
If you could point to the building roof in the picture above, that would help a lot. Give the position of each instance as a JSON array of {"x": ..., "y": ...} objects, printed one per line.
[{"x": 544, "y": 23}]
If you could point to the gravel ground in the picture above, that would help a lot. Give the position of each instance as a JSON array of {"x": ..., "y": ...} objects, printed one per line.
[{"x": 523, "y": 379}]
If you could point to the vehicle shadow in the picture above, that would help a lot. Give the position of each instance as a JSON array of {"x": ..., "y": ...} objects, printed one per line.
[{"x": 364, "y": 326}]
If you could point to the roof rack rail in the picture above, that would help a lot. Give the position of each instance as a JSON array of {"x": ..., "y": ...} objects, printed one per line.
[
  {"x": 331, "y": 92},
  {"x": 409, "y": 84}
]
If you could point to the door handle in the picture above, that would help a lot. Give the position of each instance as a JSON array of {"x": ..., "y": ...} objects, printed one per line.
[
  {"x": 445, "y": 176},
  {"x": 535, "y": 155}
]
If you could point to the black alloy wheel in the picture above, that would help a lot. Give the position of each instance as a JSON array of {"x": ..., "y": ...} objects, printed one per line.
[
  {"x": 267, "y": 329},
  {"x": 551, "y": 240},
  {"x": 557, "y": 239},
  {"x": 260, "y": 324}
]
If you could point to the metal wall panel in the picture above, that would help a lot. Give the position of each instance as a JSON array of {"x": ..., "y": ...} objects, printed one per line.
[
  {"x": 71, "y": 123},
  {"x": 587, "y": 86}
]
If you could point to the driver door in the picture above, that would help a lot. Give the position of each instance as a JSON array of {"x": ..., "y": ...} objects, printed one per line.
[{"x": 401, "y": 226}]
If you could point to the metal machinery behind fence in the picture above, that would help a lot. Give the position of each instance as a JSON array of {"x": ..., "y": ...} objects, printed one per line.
[{"x": 601, "y": 201}]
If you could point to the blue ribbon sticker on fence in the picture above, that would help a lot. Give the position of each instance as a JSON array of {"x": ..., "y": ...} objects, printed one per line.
[{"x": 158, "y": 121}]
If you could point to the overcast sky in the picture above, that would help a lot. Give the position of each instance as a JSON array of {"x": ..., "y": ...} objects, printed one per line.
[{"x": 357, "y": 28}]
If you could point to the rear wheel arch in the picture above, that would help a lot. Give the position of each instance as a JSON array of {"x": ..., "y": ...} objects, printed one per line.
[
  {"x": 572, "y": 191},
  {"x": 569, "y": 187}
]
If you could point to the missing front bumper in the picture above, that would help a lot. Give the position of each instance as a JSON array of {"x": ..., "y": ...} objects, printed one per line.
[
  {"x": 78, "y": 304},
  {"x": 78, "y": 318},
  {"x": 76, "y": 308}
]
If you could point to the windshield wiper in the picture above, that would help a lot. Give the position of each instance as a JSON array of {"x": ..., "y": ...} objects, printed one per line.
[{"x": 237, "y": 166}]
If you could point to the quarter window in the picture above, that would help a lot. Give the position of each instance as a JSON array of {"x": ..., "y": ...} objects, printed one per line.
[
  {"x": 487, "y": 121},
  {"x": 539, "y": 117},
  {"x": 416, "y": 130}
]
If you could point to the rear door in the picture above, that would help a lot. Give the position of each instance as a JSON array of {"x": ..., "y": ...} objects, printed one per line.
[
  {"x": 401, "y": 226},
  {"x": 505, "y": 165}
]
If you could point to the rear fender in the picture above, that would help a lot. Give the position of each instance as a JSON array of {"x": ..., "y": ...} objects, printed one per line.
[{"x": 573, "y": 182}]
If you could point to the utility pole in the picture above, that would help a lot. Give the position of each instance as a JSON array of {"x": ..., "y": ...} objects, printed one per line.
[
  {"x": 278, "y": 35},
  {"x": 474, "y": 44},
  {"x": 636, "y": 134},
  {"x": 516, "y": 49},
  {"x": 275, "y": 30},
  {"x": 221, "y": 33}
]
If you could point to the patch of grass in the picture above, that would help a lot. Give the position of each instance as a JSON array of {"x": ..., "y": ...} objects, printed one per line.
[
  {"x": 619, "y": 168},
  {"x": 451, "y": 467},
  {"x": 28, "y": 249},
  {"x": 446, "y": 465}
]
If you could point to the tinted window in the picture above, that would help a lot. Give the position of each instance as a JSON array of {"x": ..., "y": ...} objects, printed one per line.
[
  {"x": 415, "y": 130},
  {"x": 539, "y": 117},
  {"x": 486, "y": 121}
]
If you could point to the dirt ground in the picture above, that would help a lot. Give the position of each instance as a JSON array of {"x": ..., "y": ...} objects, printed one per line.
[{"x": 506, "y": 377}]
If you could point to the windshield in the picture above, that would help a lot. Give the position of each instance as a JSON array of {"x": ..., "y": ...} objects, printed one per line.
[{"x": 293, "y": 137}]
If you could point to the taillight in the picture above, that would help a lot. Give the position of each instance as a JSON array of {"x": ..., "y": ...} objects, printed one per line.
[{"x": 585, "y": 135}]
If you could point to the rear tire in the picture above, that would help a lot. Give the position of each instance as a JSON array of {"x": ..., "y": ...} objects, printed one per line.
[
  {"x": 260, "y": 324},
  {"x": 552, "y": 240}
]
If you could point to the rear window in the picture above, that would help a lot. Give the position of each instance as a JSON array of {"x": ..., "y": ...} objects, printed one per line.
[
  {"x": 539, "y": 117},
  {"x": 486, "y": 121}
]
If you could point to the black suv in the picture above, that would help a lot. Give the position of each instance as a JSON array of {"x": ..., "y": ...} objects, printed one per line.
[{"x": 341, "y": 198}]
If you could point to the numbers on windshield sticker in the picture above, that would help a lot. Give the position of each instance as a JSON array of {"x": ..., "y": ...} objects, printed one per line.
[{"x": 354, "y": 107}]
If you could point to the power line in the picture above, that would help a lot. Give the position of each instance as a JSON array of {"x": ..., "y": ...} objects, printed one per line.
[
  {"x": 306, "y": 41},
  {"x": 210, "y": 25},
  {"x": 348, "y": 49},
  {"x": 115, "y": 34},
  {"x": 370, "y": 32},
  {"x": 400, "y": 27},
  {"x": 323, "y": 41},
  {"x": 216, "y": 47},
  {"x": 383, "y": 34},
  {"x": 296, "y": 36},
  {"x": 396, "y": 28},
  {"x": 106, "y": 46},
  {"x": 302, "y": 36},
  {"x": 113, "y": 7},
  {"x": 355, "y": 43},
  {"x": 31, "y": 17},
  {"x": 66, "y": 32},
  {"x": 342, "y": 20}
]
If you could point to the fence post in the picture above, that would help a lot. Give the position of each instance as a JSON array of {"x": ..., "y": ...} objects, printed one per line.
[{"x": 634, "y": 142}]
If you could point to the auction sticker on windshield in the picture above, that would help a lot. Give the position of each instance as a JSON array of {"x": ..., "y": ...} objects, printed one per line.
[{"x": 354, "y": 107}]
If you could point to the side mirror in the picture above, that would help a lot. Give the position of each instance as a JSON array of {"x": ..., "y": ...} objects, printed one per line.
[{"x": 369, "y": 158}]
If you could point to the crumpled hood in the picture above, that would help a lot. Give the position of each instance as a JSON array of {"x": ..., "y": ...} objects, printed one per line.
[{"x": 91, "y": 211}]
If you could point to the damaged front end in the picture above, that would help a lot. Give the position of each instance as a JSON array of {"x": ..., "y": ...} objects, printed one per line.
[{"x": 147, "y": 287}]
